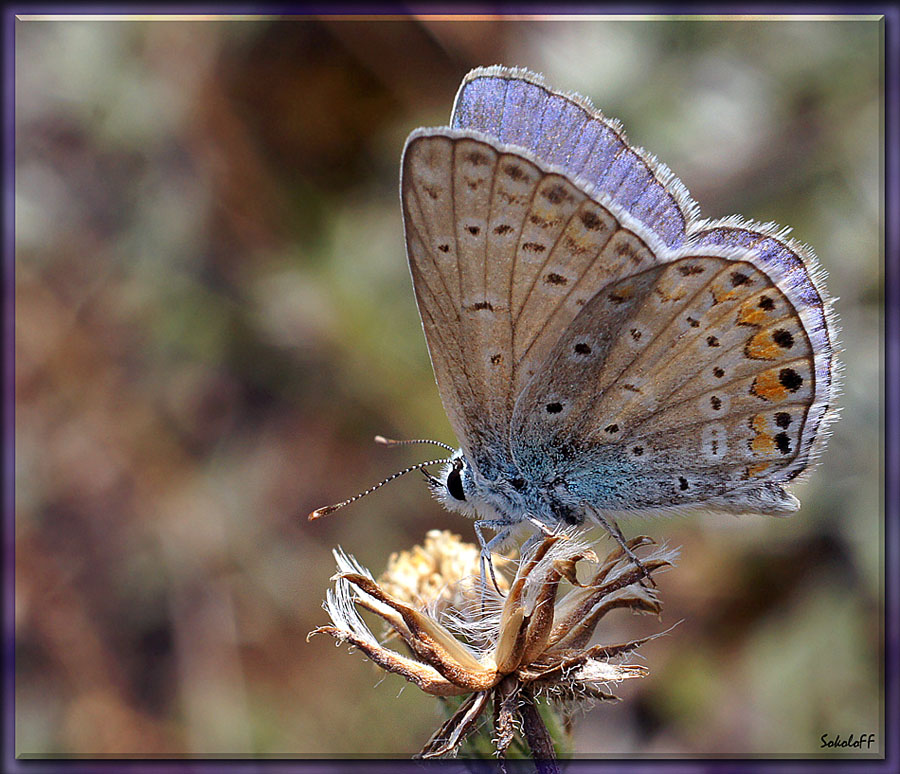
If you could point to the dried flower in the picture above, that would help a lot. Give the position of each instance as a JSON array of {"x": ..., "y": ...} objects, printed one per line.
[
  {"x": 506, "y": 651},
  {"x": 441, "y": 573}
]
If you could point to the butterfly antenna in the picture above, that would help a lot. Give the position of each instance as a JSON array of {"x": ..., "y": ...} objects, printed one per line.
[
  {"x": 391, "y": 442},
  {"x": 320, "y": 512}
]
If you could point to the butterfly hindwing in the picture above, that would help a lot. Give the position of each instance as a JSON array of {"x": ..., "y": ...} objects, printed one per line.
[
  {"x": 794, "y": 268},
  {"x": 677, "y": 385}
]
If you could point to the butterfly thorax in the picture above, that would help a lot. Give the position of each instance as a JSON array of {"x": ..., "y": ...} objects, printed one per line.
[{"x": 507, "y": 496}]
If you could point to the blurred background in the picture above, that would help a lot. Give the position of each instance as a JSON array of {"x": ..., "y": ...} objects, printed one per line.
[{"x": 214, "y": 317}]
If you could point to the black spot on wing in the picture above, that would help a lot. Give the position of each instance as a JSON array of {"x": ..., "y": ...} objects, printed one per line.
[
  {"x": 783, "y": 419},
  {"x": 556, "y": 194},
  {"x": 783, "y": 442},
  {"x": 790, "y": 379},
  {"x": 783, "y": 338},
  {"x": 591, "y": 221},
  {"x": 514, "y": 172},
  {"x": 476, "y": 158}
]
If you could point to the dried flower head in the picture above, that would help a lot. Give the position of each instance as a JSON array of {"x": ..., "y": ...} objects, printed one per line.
[
  {"x": 441, "y": 573},
  {"x": 507, "y": 650}
]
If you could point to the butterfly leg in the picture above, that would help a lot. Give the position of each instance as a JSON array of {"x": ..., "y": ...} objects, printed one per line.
[
  {"x": 502, "y": 528},
  {"x": 613, "y": 529}
]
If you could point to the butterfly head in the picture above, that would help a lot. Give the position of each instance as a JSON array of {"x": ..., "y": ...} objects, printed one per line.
[
  {"x": 455, "y": 488},
  {"x": 461, "y": 488}
]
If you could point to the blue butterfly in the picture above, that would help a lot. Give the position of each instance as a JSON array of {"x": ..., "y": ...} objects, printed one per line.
[{"x": 599, "y": 349}]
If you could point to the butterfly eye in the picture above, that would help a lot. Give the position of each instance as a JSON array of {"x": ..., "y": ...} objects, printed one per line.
[{"x": 454, "y": 484}]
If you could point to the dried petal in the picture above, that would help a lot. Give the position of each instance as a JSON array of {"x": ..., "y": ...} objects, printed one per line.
[
  {"x": 452, "y": 732},
  {"x": 432, "y": 642},
  {"x": 422, "y": 675}
]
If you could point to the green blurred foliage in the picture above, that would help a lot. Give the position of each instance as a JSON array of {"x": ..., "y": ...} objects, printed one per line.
[{"x": 214, "y": 317}]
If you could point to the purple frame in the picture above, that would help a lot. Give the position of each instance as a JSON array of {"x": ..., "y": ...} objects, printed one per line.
[{"x": 891, "y": 762}]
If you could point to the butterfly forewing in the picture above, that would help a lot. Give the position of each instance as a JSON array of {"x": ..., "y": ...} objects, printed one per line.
[
  {"x": 565, "y": 131},
  {"x": 504, "y": 255}
]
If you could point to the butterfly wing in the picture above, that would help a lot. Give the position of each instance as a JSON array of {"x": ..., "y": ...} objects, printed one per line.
[
  {"x": 799, "y": 276},
  {"x": 516, "y": 219},
  {"x": 504, "y": 251},
  {"x": 566, "y": 131},
  {"x": 446, "y": 193},
  {"x": 700, "y": 381}
]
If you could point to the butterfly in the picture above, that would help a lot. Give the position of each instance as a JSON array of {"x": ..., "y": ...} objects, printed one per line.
[{"x": 599, "y": 349}]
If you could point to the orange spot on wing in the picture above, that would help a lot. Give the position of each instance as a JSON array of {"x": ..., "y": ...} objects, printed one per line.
[
  {"x": 751, "y": 314},
  {"x": 759, "y": 424},
  {"x": 761, "y": 347},
  {"x": 762, "y": 445},
  {"x": 721, "y": 294},
  {"x": 670, "y": 294},
  {"x": 769, "y": 387},
  {"x": 755, "y": 469}
]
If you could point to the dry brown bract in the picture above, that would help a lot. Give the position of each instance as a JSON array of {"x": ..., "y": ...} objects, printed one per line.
[{"x": 510, "y": 650}]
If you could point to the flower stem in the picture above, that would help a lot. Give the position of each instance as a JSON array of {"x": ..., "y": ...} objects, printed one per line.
[{"x": 536, "y": 735}]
